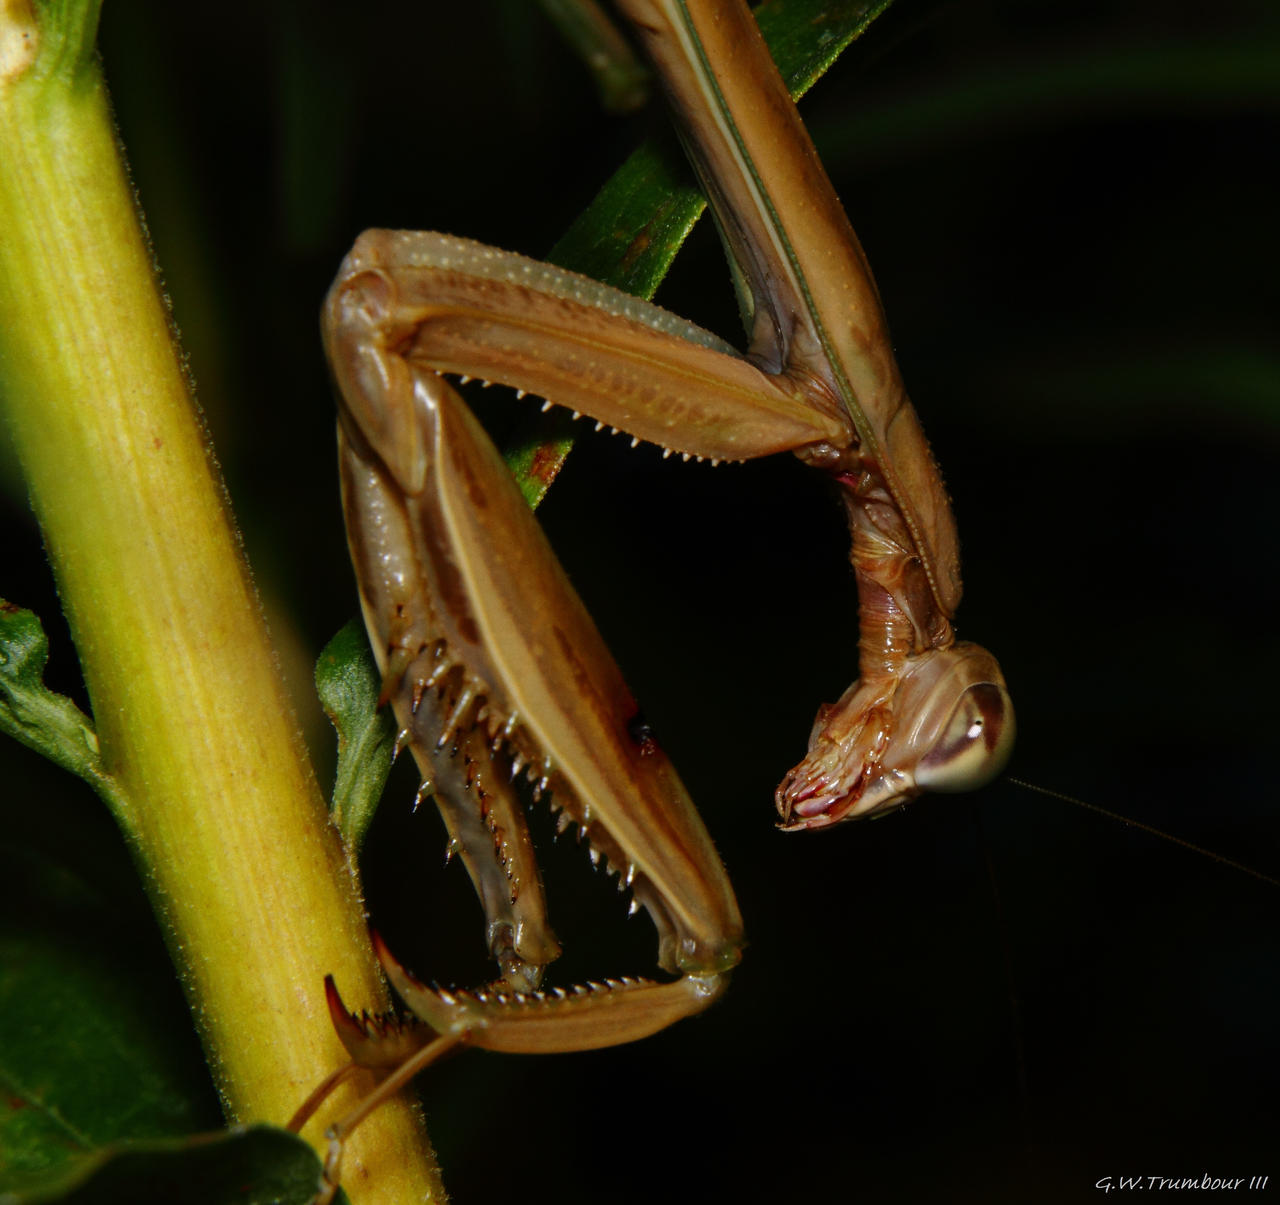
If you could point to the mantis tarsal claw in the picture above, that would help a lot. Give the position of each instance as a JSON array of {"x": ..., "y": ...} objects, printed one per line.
[{"x": 489, "y": 659}]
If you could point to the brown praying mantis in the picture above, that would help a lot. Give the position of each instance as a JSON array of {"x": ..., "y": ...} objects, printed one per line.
[{"x": 489, "y": 659}]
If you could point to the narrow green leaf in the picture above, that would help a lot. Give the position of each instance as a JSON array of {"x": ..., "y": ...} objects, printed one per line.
[
  {"x": 620, "y": 78},
  {"x": 49, "y": 723},
  {"x": 348, "y": 684}
]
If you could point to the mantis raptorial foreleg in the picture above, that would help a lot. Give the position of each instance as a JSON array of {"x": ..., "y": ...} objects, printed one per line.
[{"x": 489, "y": 659}]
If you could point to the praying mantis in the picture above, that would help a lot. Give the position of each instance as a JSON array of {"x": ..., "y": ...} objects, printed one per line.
[
  {"x": 488, "y": 657},
  {"x": 869, "y": 991}
]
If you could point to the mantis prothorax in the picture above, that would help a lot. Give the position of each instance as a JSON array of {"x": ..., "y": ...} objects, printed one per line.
[{"x": 489, "y": 658}]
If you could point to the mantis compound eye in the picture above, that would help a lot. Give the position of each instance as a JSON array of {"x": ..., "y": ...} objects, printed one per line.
[{"x": 974, "y": 743}]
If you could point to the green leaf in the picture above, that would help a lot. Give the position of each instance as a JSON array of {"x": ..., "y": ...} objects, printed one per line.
[
  {"x": 630, "y": 234},
  {"x": 260, "y": 1165},
  {"x": 49, "y": 723},
  {"x": 349, "y": 684},
  {"x": 95, "y": 1039}
]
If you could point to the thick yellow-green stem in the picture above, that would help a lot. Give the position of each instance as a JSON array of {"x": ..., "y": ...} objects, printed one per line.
[{"x": 223, "y": 813}]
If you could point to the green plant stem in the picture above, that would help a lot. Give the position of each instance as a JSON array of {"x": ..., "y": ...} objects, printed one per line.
[{"x": 219, "y": 803}]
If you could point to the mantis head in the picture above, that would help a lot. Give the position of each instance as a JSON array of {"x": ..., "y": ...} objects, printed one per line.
[{"x": 944, "y": 724}]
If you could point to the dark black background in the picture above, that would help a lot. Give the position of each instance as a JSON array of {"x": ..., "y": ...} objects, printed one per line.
[{"x": 1071, "y": 216}]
